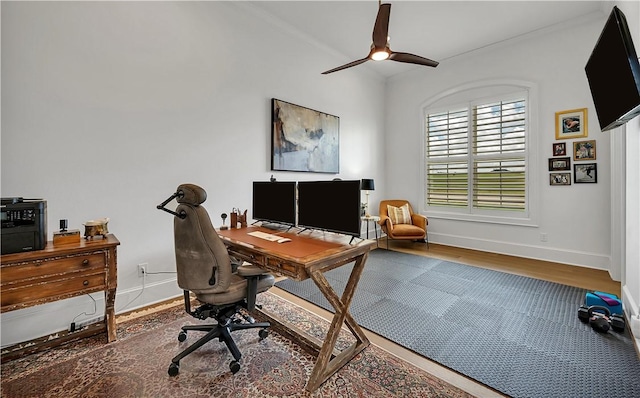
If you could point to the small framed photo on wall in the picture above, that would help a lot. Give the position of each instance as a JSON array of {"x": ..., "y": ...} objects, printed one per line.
[
  {"x": 560, "y": 179},
  {"x": 556, "y": 164},
  {"x": 585, "y": 173},
  {"x": 584, "y": 150},
  {"x": 559, "y": 149},
  {"x": 571, "y": 124}
]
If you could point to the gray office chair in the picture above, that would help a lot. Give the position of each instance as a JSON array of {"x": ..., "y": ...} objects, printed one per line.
[{"x": 205, "y": 269}]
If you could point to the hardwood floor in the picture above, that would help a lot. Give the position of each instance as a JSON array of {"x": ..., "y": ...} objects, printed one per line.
[
  {"x": 561, "y": 273},
  {"x": 586, "y": 278},
  {"x": 555, "y": 272}
]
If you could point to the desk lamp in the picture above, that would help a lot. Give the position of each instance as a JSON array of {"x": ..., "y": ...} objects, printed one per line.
[{"x": 367, "y": 185}]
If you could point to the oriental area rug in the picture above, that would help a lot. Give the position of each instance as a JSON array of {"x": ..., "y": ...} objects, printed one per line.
[
  {"x": 136, "y": 365},
  {"x": 518, "y": 335}
]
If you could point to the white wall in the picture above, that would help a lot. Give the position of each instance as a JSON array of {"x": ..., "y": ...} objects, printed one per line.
[
  {"x": 631, "y": 245},
  {"x": 108, "y": 106},
  {"x": 575, "y": 218},
  {"x": 631, "y": 278}
]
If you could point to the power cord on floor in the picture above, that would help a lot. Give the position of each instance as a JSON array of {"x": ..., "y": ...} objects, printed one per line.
[
  {"x": 72, "y": 327},
  {"x": 144, "y": 278}
]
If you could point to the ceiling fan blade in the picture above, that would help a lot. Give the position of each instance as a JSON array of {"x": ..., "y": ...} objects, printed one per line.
[
  {"x": 349, "y": 65},
  {"x": 381, "y": 28},
  {"x": 412, "y": 59}
]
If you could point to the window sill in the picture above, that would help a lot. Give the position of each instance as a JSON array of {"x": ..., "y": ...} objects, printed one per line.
[{"x": 482, "y": 218}]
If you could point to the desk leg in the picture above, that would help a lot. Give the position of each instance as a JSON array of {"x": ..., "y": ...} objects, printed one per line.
[{"x": 325, "y": 367}]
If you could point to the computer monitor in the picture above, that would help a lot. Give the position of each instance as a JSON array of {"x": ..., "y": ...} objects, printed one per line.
[
  {"x": 274, "y": 202},
  {"x": 613, "y": 72},
  {"x": 330, "y": 206}
]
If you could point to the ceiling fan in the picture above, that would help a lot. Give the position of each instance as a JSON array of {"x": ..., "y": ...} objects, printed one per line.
[{"x": 380, "y": 47}]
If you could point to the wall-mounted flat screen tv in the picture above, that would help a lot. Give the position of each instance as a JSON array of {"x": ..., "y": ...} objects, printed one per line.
[
  {"x": 613, "y": 72},
  {"x": 274, "y": 202},
  {"x": 330, "y": 206}
]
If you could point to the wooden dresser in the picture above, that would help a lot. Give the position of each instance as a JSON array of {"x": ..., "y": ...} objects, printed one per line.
[{"x": 56, "y": 273}]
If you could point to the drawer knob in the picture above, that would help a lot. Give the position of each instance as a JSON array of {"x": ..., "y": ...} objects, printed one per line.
[
  {"x": 85, "y": 283},
  {"x": 85, "y": 262}
]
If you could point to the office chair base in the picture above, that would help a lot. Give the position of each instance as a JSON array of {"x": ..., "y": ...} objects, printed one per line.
[
  {"x": 174, "y": 368},
  {"x": 222, "y": 333}
]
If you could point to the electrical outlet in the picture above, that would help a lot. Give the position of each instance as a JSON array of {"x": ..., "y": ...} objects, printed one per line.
[
  {"x": 142, "y": 269},
  {"x": 543, "y": 237}
]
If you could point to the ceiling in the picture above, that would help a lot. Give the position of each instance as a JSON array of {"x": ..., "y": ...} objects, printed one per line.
[{"x": 437, "y": 30}]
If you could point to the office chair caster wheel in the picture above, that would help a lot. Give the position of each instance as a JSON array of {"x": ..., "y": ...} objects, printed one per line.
[
  {"x": 234, "y": 366},
  {"x": 182, "y": 336},
  {"x": 174, "y": 368},
  {"x": 263, "y": 333}
]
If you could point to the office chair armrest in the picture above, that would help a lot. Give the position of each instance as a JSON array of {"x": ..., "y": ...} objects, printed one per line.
[
  {"x": 419, "y": 220},
  {"x": 248, "y": 270},
  {"x": 235, "y": 263}
]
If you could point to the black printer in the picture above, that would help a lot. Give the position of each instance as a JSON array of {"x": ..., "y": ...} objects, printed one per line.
[{"x": 24, "y": 225}]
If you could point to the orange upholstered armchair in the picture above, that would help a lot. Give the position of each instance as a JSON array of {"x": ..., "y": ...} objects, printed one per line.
[{"x": 398, "y": 221}]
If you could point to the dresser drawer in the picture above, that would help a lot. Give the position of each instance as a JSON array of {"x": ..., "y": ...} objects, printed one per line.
[
  {"x": 272, "y": 264},
  {"x": 248, "y": 256},
  {"x": 285, "y": 268},
  {"x": 27, "y": 295},
  {"x": 50, "y": 267}
]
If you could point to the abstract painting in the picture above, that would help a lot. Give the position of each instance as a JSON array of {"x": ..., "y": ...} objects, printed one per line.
[{"x": 303, "y": 139}]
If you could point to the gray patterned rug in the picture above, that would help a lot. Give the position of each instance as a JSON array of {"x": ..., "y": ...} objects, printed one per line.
[{"x": 518, "y": 335}]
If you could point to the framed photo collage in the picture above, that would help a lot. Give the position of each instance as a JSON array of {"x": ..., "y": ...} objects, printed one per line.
[{"x": 572, "y": 124}]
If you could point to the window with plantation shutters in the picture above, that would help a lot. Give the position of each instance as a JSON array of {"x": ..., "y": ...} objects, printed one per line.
[{"x": 476, "y": 156}]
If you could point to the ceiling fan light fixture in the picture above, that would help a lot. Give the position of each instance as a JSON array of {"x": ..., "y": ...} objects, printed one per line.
[
  {"x": 380, "y": 55},
  {"x": 380, "y": 45}
]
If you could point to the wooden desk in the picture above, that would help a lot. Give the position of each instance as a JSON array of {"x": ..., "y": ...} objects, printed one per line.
[
  {"x": 60, "y": 272},
  {"x": 309, "y": 257}
]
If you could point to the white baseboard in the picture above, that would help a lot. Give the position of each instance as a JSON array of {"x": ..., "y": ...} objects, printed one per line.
[
  {"x": 132, "y": 299},
  {"x": 46, "y": 319},
  {"x": 632, "y": 315},
  {"x": 583, "y": 259}
]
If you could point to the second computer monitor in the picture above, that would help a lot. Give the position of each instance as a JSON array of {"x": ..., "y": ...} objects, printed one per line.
[{"x": 330, "y": 205}]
